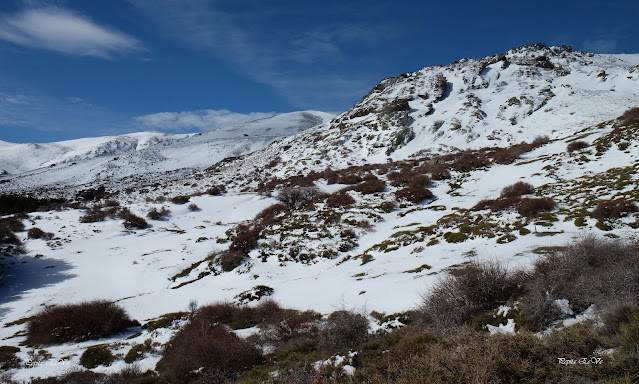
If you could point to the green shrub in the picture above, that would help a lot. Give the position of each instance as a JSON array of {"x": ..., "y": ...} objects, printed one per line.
[
  {"x": 96, "y": 355},
  {"x": 8, "y": 358},
  {"x": 137, "y": 352}
]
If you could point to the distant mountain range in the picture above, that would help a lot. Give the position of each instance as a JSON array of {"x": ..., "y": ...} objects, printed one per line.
[{"x": 139, "y": 157}]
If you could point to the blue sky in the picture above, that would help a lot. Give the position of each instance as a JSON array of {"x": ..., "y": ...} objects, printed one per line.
[{"x": 71, "y": 69}]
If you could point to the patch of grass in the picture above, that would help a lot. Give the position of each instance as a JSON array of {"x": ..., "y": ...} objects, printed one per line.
[{"x": 419, "y": 269}]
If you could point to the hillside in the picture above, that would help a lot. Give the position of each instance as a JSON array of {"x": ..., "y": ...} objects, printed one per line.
[{"x": 366, "y": 212}]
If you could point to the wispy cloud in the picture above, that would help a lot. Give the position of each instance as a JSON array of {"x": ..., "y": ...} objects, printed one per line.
[
  {"x": 203, "y": 120},
  {"x": 311, "y": 62},
  {"x": 61, "y": 30}
]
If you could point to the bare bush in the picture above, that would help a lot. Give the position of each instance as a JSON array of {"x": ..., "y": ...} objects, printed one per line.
[
  {"x": 132, "y": 221},
  {"x": 531, "y": 206},
  {"x": 340, "y": 199},
  {"x": 193, "y": 208},
  {"x": 468, "y": 162},
  {"x": 180, "y": 199},
  {"x": 613, "y": 209},
  {"x": 204, "y": 349},
  {"x": 216, "y": 190},
  {"x": 591, "y": 271},
  {"x": 576, "y": 146},
  {"x": 440, "y": 173},
  {"x": 292, "y": 198},
  {"x": 371, "y": 186},
  {"x": 344, "y": 329},
  {"x": 37, "y": 233},
  {"x": 77, "y": 322},
  {"x": 629, "y": 117},
  {"x": 155, "y": 214},
  {"x": 468, "y": 292},
  {"x": 412, "y": 194},
  {"x": 231, "y": 259},
  {"x": 517, "y": 189}
]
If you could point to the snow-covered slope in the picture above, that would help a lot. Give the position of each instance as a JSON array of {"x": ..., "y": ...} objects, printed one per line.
[
  {"x": 138, "y": 157},
  {"x": 498, "y": 100}
]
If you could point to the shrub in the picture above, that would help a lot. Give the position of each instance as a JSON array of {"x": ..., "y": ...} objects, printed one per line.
[
  {"x": 340, "y": 199},
  {"x": 8, "y": 358},
  {"x": 111, "y": 203},
  {"x": 137, "y": 352},
  {"x": 267, "y": 215},
  {"x": 77, "y": 322},
  {"x": 245, "y": 238},
  {"x": 468, "y": 162},
  {"x": 440, "y": 173},
  {"x": 387, "y": 206},
  {"x": 180, "y": 199},
  {"x": 510, "y": 154},
  {"x": 97, "y": 213},
  {"x": 193, "y": 208},
  {"x": 590, "y": 271},
  {"x": 468, "y": 292},
  {"x": 37, "y": 233},
  {"x": 294, "y": 197},
  {"x": 540, "y": 141},
  {"x": 7, "y": 236},
  {"x": 343, "y": 329},
  {"x": 216, "y": 190},
  {"x": 631, "y": 116},
  {"x": 10, "y": 204},
  {"x": 96, "y": 355},
  {"x": 155, "y": 214},
  {"x": 531, "y": 206},
  {"x": 576, "y": 146},
  {"x": 371, "y": 186},
  {"x": 132, "y": 221},
  {"x": 205, "y": 349},
  {"x": 231, "y": 259},
  {"x": 517, "y": 189},
  {"x": 74, "y": 377},
  {"x": 613, "y": 209},
  {"x": 414, "y": 195}
]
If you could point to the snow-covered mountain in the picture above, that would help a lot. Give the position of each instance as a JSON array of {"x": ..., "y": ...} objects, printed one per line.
[
  {"x": 138, "y": 157},
  {"x": 499, "y": 100},
  {"x": 368, "y": 243}
]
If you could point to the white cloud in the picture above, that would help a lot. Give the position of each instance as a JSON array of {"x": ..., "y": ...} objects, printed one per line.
[
  {"x": 63, "y": 31},
  {"x": 203, "y": 120}
]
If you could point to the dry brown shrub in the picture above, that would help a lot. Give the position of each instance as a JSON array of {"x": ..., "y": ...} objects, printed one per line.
[
  {"x": 414, "y": 195},
  {"x": 629, "y": 117},
  {"x": 517, "y": 189},
  {"x": 576, "y": 146},
  {"x": 206, "y": 350},
  {"x": 77, "y": 322},
  {"x": 614, "y": 209},
  {"x": 339, "y": 200},
  {"x": 531, "y": 206}
]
